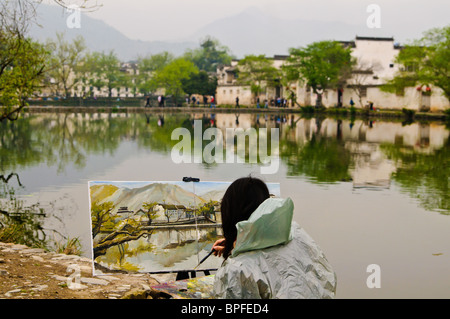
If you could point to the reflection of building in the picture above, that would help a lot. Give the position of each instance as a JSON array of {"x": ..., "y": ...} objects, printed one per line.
[
  {"x": 375, "y": 65},
  {"x": 371, "y": 168}
]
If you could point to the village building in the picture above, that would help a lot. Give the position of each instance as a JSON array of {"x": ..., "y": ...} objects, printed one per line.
[{"x": 375, "y": 65}]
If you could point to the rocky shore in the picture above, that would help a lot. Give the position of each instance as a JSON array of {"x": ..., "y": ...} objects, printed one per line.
[{"x": 32, "y": 273}]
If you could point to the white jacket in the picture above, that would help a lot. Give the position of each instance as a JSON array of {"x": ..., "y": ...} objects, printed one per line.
[{"x": 274, "y": 258}]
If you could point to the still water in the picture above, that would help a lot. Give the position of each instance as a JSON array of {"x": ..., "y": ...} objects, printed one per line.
[{"x": 369, "y": 192}]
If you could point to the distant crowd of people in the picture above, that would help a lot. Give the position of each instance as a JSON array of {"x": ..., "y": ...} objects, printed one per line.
[
  {"x": 210, "y": 101},
  {"x": 195, "y": 101},
  {"x": 276, "y": 102}
]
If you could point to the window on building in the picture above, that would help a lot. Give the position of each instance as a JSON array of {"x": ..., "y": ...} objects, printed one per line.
[
  {"x": 363, "y": 91},
  {"x": 391, "y": 65}
]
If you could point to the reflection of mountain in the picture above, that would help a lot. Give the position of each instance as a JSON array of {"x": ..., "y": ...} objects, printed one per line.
[{"x": 134, "y": 198}]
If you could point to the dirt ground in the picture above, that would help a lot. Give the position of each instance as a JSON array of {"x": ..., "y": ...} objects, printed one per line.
[{"x": 33, "y": 274}]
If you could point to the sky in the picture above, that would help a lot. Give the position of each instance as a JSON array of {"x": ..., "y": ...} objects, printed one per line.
[{"x": 174, "y": 20}]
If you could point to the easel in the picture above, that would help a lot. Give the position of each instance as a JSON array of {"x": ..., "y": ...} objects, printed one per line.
[{"x": 181, "y": 275}]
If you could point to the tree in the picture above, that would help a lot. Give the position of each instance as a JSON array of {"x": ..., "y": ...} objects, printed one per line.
[
  {"x": 22, "y": 60},
  {"x": 321, "y": 65},
  {"x": 209, "y": 56},
  {"x": 101, "y": 216},
  {"x": 65, "y": 62},
  {"x": 149, "y": 208},
  {"x": 200, "y": 83},
  {"x": 425, "y": 62},
  {"x": 257, "y": 72},
  {"x": 22, "y": 66},
  {"x": 171, "y": 77},
  {"x": 361, "y": 73},
  {"x": 105, "y": 69},
  {"x": 148, "y": 66}
]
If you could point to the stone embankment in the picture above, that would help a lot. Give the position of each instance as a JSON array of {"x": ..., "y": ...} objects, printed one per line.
[{"x": 31, "y": 273}]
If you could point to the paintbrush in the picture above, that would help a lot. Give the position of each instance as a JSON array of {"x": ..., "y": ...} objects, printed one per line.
[{"x": 206, "y": 257}]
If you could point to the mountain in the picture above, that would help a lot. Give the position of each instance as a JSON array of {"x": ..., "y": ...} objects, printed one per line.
[
  {"x": 249, "y": 32},
  {"x": 255, "y": 32},
  {"x": 98, "y": 35},
  {"x": 133, "y": 198}
]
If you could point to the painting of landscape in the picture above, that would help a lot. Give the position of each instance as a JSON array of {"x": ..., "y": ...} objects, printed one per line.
[{"x": 156, "y": 227}]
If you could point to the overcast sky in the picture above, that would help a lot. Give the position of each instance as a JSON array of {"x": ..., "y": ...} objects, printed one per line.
[{"x": 176, "y": 19}]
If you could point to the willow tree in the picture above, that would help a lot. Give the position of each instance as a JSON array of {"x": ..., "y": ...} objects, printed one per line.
[{"x": 65, "y": 63}]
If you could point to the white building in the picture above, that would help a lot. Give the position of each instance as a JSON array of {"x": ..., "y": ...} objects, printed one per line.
[{"x": 375, "y": 65}]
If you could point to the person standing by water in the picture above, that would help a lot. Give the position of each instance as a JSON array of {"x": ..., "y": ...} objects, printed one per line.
[
  {"x": 267, "y": 255},
  {"x": 237, "y": 102}
]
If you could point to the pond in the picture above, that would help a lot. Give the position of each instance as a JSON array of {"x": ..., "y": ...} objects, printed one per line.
[{"x": 369, "y": 192}]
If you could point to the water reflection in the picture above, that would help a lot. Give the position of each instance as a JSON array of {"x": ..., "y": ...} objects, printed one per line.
[{"x": 369, "y": 154}]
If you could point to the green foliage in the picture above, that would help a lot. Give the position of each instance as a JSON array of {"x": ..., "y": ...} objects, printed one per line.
[
  {"x": 209, "y": 56},
  {"x": 22, "y": 64},
  {"x": 104, "y": 70},
  {"x": 423, "y": 175},
  {"x": 408, "y": 113},
  {"x": 171, "y": 77},
  {"x": 321, "y": 65},
  {"x": 149, "y": 208},
  {"x": 200, "y": 83},
  {"x": 71, "y": 246},
  {"x": 425, "y": 62},
  {"x": 323, "y": 159},
  {"x": 65, "y": 63},
  {"x": 101, "y": 216},
  {"x": 257, "y": 72},
  {"x": 207, "y": 209},
  {"x": 148, "y": 66}
]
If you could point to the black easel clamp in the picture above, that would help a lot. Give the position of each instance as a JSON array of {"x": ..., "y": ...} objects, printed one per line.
[{"x": 191, "y": 179}]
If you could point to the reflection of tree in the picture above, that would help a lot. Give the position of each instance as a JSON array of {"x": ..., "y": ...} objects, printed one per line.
[
  {"x": 424, "y": 176},
  {"x": 325, "y": 159},
  {"x": 19, "y": 223}
]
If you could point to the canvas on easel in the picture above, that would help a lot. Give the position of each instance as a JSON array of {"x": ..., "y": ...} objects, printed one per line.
[{"x": 156, "y": 227}]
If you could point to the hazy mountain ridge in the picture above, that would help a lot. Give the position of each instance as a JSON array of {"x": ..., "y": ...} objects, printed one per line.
[
  {"x": 98, "y": 35},
  {"x": 255, "y": 32},
  {"x": 249, "y": 32},
  {"x": 133, "y": 198}
]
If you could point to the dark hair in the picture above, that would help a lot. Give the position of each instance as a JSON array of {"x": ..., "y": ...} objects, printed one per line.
[{"x": 240, "y": 200}]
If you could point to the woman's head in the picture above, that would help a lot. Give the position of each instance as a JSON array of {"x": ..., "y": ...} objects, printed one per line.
[{"x": 241, "y": 199}]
